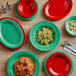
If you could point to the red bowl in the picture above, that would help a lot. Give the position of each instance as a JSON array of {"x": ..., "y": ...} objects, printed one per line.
[
  {"x": 57, "y": 9},
  {"x": 26, "y": 8},
  {"x": 23, "y": 33},
  {"x": 58, "y": 64}
]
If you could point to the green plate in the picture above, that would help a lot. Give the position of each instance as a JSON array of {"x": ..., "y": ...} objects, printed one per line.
[
  {"x": 37, "y": 27},
  {"x": 19, "y": 54},
  {"x": 24, "y": 18},
  {"x": 11, "y": 34},
  {"x": 67, "y": 25},
  {"x": 56, "y": 52}
]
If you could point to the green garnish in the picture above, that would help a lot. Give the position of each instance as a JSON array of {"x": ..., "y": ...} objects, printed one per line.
[{"x": 45, "y": 36}]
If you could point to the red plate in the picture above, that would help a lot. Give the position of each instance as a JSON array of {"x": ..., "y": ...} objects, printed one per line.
[
  {"x": 57, "y": 9},
  {"x": 23, "y": 33},
  {"x": 26, "y": 8},
  {"x": 58, "y": 64}
]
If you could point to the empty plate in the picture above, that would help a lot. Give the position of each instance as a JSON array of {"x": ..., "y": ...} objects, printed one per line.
[
  {"x": 26, "y": 8},
  {"x": 57, "y": 9},
  {"x": 12, "y": 35},
  {"x": 58, "y": 63}
]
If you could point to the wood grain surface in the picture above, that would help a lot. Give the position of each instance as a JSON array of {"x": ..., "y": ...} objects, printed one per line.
[{"x": 27, "y": 25}]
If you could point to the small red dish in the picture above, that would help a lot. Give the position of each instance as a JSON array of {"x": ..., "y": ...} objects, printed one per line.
[
  {"x": 57, "y": 9},
  {"x": 58, "y": 64},
  {"x": 23, "y": 34},
  {"x": 26, "y": 8}
]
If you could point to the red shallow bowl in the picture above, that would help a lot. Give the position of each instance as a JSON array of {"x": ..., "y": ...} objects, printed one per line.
[
  {"x": 26, "y": 8},
  {"x": 23, "y": 33},
  {"x": 58, "y": 64},
  {"x": 57, "y": 9}
]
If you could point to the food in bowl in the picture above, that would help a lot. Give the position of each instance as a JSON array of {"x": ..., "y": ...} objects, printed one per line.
[
  {"x": 73, "y": 25},
  {"x": 24, "y": 67},
  {"x": 44, "y": 36}
]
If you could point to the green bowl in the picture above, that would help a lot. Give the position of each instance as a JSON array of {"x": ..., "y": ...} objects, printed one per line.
[
  {"x": 16, "y": 56},
  {"x": 24, "y": 18},
  {"x": 11, "y": 34},
  {"x": 56, "y": 52},
  {"x": 37, "y": 27},
  {"x": 67, "y": 25}
]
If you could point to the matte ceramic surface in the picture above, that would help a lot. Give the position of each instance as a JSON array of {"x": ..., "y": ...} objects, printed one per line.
[
  {"x": 37, "y": 27},
  {"x": 67, "y": 25},
  {"x": 11, "y": 34},
  {"x": 19, "y": 54},
  {"x": 27, "y": 8},
  {"x": 27, "y": 18},
  {"x": 58, "y": 63},
  {"x": 57, "y": 9}
]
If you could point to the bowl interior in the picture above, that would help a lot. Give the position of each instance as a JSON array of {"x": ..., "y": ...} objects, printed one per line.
[
  {"x": 11, "y": 33},
  {"x": 27, "y": 8},
  {"x": 67, "y": 25},
  {"x": 16, "y": 56},
  {"x": 37, "y": 27}
]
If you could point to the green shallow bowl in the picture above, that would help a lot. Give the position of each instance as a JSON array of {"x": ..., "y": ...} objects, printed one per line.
[
  {"x": 11, "y": 34},
  {"x": 16, "y": 56},
  {"x": 56, "y": 52},
  {"x": 24, "y": 18},
  {"x": 67, "y": 25},
  {"x": 37, "y": 27}
]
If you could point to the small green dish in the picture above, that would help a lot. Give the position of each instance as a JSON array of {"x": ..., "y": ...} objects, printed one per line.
[
  {"x": 28, "y": 18},
  {"x": 37, "y": 27},
  {"x": 11, "y": 34},
  {"x": 16, "y": 56},
  {"x": 67, "y": 25},
  {"x": 51, "y": 54}
]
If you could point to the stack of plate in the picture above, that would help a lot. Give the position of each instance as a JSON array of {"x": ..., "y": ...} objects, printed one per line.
[
  {"x": 26, "y": 9},
  {"x": 12, "y": 35},
  {"x": 58, "y": 63}
]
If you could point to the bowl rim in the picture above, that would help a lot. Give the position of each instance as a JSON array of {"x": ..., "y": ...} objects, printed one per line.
[
  {"x": 35, "y": 29},
  {"x": 22, "y": 53},
  {"x": 57, "y": 52},
  {"x": 67, "y": 24},
  {"x": 25, "y": 18}
]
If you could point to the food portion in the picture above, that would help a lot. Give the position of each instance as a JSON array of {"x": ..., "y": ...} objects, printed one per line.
[
  {"x": 24, "y": 67},
  {"x": 45, "y": 35},
  {"x": 73, "y": 26}
]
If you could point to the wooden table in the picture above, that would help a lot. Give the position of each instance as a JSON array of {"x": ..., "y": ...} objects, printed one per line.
[{"x": 27, "y": 25}]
